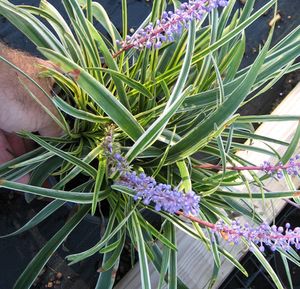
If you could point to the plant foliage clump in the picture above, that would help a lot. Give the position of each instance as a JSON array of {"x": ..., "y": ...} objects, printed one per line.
[{"x": 139, "y": 121}]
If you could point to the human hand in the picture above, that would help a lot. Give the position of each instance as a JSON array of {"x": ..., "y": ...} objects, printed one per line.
[{"x": 18, "y": 110}]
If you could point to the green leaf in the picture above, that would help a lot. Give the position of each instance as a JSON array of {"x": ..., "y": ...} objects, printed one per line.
[
  {"x": 99, "y": 179},
  {"x": 158, "y": 261},
  {"x": 76, "y": 170},
  {"x": 25, "y": 157},
  {"x": 115, "y": 254},
  {"x": 129, "y": 81},
  {"x": 85, "y": 254},
  {"x": 38, "y": 218},
  {"x": 100, "y": 14},
  {"x": 111, "y": 247},
  {"x": 164, "y": 266},
  {"x": 226, "y": 38},
  {"x": 292, "y": 146},
  {"x": 267, "y": 266},
  {"x": 215, "y": 251},
  {"x": 110, "y": 62},
  {"x": 80, "y": 25},
  {"x": 222, "y": 152},
  {"x": 164, "y": 156},
  {"x": 66, "y": 156},
  {"x": 219, "y": 80},
  {"x": 233, "y": 260},
  {"x": 185, "y": 176},
  {"x": 266, "y": 118},
  {"x": 74, "y": 197},
  {"x": 16, "y": 174},
  {"x": 77, "y": 113},
  {"x": 143, "y": 263},
  {"x": 287, "y": 270},
  {"x": 267, "y": 195},
  {"x": 44, "y": 170},
  {"x": 107, "y": 278},
  {"x": 173, "y": 260},
  {"x": 155, "y": 233},
  {"x": 59, "y": 25},
  {"x": 124, "y": 17},
  {"x": 235, "y": 61}
]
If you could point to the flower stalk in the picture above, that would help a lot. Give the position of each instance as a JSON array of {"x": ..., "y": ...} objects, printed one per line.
[
  {"x": 170, "y": 25},
  {"x": 264, "y": 235},
  {"x": 292, "y": 167}
]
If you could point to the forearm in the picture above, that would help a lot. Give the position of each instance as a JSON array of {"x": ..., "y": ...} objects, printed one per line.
[
  {"x": 23, "y": 60},
  {"x": 16, "y": 92}
]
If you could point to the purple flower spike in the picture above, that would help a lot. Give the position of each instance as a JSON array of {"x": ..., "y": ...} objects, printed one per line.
[
  {"x": 264, "y": 235},
  {"x": 292, "y": 167},
  {"x": 163, "y": 196},
  {"x": 171, "y": 24}
]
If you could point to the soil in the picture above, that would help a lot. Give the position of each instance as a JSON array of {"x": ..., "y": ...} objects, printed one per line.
[{"x": 17, "y": 252}]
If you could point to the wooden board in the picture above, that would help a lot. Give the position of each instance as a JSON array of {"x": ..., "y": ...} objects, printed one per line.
[{"x": 195, "y": 263}]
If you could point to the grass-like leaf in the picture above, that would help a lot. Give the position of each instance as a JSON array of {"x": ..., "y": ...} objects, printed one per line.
[
  {"x": 38, "y": 218},
  {"x": 74, "y": 197}
]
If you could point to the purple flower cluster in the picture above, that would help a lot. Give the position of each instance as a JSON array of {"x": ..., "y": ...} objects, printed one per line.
[
  {"x": 171, "y": 24},
  {"x": 162, "y": 195},
  {"x": 264, "y": 235},
  {"x": 292, "y": 167},
  {"x": 115, "y": 161}
]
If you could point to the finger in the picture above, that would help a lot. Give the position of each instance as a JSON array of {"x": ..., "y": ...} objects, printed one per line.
[
  {"x": 7, "y": 154},
  {"x": 51, "y": 130},
  {"x": 6, "y": 151},
  {"x": 16, "y": 143}
]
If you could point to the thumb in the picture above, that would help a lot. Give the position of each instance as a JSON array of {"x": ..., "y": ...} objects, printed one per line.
[{"x": 51, "y": 129}]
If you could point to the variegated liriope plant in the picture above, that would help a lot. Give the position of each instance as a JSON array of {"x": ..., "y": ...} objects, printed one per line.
[{"x": 135, "y": 110}]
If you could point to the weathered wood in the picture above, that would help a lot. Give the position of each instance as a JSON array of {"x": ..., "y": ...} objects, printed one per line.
[{"x": 195, "y": 263}]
